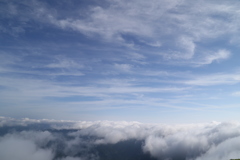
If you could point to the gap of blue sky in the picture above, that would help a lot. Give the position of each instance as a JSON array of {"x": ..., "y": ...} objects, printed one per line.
[{"x": 151, "y": 61}]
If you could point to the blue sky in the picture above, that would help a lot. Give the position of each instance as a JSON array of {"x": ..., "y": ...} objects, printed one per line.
[{"x": 167, "y": 61}]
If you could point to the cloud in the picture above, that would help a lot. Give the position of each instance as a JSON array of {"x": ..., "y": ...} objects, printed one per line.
[
  {"x": 86, "y": 140},
  {"x": 177, "y": 28},
  {"x": 186, "y": 49},
  {"x": 174, "y": 142},
  {"x": 226, "y": 150},
  {"x": 195, "y": 143},
  {"x": 236, "y": 94},
  {"x": 64, "y": 63},
  {"x": 70, "y": 158},
  {"x": 12, "y": 122},
  {"x": 113, "y": 26},
  {"x": 154, "y": 44},
  {"x": 221, "y": 54},
  {"x": 12, "y": 147},
  {"x": 214, "y": 79},
  {"x": 136, "y": 57},
  {"x": 123, "y": 67},
  {"x": 113, "y": 132},
  {"x": 26, "y": 89},
  {"x": 8, "y": 59}
]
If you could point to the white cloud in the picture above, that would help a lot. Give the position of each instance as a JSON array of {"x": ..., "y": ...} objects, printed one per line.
[
  {"x": 236, "y": 94},
  {"x": 194, "y": 143},
  {"x": 202, "y": 141},
  {"x": 111, "y": 25},
  {"x": 123, "y": 67},
  {"x": 26, "y": 88},
  {"x": 153, "y": 43},
  {"x": 177, "y": 26},
  {"x": 137, "y": 57},
  {"x": 190, "y": 141},
  {"x": 7, "y": 59},
  {"x": 228, "y": 149},
  {"x": 65, "y": 63},
  {"x": 214, "y": 79},
  {"x": 221, "y": 54},
  {"x": 186, "y": 49},
  {"x": 11, "y": 122},
  {"x": 38, "y": 137},
  {"x": 12, "y": 148}
]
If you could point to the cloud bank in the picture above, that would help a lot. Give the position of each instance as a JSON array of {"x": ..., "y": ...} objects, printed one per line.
[{"x": 65, "y": 140}]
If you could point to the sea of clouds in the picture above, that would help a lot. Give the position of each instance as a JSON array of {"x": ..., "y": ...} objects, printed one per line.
[{"x": 29, "y": 139}]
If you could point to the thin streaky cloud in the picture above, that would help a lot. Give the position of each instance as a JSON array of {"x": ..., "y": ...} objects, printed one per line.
[{"x": 144, "y": 58}]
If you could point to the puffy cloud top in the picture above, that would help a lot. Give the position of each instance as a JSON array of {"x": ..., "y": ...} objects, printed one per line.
[{"x": 83, "y": 140}]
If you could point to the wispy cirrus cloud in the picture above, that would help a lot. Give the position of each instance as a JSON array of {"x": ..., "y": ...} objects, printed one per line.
[
  {"x": 123, "y": 67},
  {"x": 218, "y": 56},
  {"x": 157, "y": 19},
  {"x": 236, "y": 94},
  {"x": 91, "y": 55},
  {"x": 214, "y": 79},
  {"x": 65, "y": 63}
]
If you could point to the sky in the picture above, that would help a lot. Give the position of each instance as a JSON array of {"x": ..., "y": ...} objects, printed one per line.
[{"x": 163, "y": 61}]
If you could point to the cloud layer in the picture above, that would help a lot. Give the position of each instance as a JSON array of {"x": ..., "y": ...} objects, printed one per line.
[{"x": 94, "y": 140}]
